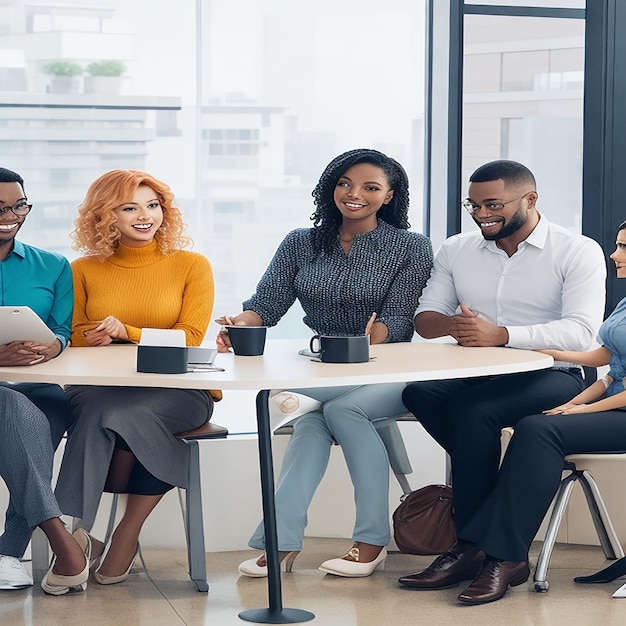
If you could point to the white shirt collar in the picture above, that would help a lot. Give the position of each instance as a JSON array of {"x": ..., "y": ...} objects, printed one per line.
[{"x": 537, "y": 237}]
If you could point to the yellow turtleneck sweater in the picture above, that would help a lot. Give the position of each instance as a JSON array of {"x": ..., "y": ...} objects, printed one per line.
[{"x": 144, "y": 288}]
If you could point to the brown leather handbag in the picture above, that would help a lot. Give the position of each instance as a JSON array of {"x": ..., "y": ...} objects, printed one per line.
[{"x": 424, "y": 521}]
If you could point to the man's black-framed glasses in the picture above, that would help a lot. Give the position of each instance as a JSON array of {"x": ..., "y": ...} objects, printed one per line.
[
  {"x": 20, "y": 208},
  {"x": 472, "y": 207}
]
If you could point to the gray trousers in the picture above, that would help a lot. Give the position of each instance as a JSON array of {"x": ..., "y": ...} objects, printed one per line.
[{"x": 33, "y": 418}]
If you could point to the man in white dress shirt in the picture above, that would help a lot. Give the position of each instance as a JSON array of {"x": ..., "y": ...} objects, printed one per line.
[{"x": 520, "y": 282}]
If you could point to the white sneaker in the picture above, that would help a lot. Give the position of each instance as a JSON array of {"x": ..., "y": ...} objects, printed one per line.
[{"x": 13, "y": 575}]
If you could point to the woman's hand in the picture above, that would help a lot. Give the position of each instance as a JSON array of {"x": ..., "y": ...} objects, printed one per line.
[
  {"x": 222, "y": 341},
  {"x": 593, "y": 358},
  {"x": 376, "y": 331},
  {"x": 97, "y": 338},
  {"x": 568, "y": 408},
  {"x": 370, "y": 324},
  {"x": 28, "y": 352},
  {"x": 557, "y": 355},
  {"x": 245, "y": 318},
  {"x": 106, "y": 331}
]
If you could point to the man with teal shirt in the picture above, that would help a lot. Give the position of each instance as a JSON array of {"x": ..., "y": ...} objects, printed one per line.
[{"x": 42, "y": 281}]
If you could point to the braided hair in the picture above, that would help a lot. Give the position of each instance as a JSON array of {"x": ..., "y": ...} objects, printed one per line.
[{"x": 327, "y": 218}]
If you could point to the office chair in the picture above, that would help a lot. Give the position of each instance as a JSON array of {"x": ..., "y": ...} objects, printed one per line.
[
  {"x": 190, "y": 505},
  {"x": 287, "y": 406},
  {"x": 578, "y": 467}
]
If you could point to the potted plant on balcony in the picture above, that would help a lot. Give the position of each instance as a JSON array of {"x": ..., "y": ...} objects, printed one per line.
[
  {"x": 104, "y": 76},
  {"x": 65, "y": 76}
]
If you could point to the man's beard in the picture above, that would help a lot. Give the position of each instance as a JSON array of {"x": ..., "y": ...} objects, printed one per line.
[{"x": 516, "y": 222}]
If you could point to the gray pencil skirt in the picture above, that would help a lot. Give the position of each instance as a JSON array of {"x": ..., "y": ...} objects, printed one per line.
[{"x": 145, "y": 418}]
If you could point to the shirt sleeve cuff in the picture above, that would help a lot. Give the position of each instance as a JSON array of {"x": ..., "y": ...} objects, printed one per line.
[
  {"x": 519, "y": 337},
  {"x": 63, "y": 341}
]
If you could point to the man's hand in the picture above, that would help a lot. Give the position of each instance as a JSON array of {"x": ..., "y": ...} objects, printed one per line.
[
  {"x": 28, "y": 352},
  {"x": 471, "y": 330}
]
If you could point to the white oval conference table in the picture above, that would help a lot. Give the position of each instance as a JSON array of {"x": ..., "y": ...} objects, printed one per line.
[{"x": 281, "y": 367}]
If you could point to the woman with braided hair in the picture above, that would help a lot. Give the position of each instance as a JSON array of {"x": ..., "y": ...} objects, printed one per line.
[{"x": 357, "y": 271}]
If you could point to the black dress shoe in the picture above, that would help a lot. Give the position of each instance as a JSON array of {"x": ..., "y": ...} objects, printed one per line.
[
  {"x": 606, "y": 575},
  {"x": 493, "y": 581},
  {"x": 461, "y": 562}
]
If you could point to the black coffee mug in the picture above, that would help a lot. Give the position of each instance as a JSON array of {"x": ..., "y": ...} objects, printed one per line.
[
  {"x": 341, "y": 349},
  {"x": 247, "y": 340}
]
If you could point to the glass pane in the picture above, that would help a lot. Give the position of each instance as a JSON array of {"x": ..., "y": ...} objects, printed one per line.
[
  {"x": 561, "y": 4},
  {"x": 523, "y": 100},
  {"x": 239, "y": 110}
]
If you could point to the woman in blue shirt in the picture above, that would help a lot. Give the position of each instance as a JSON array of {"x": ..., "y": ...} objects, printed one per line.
[
  {"x": 593, "y": 421},
  {"x": 357, "y": 271}
]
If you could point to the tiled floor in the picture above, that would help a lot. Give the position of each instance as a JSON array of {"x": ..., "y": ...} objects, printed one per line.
[{"x": 164, "y": 595}]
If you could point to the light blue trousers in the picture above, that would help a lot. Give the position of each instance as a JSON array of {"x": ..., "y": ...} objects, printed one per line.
[{"x": 346, "y": 418}]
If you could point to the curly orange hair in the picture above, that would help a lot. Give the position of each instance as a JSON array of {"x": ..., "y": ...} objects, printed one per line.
[{"x": 96, "y": 234}]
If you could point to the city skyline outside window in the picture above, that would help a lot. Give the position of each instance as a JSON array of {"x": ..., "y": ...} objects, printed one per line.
[
  {"x": 240, "y": 106},
  {"x": 523, "y": 100}
]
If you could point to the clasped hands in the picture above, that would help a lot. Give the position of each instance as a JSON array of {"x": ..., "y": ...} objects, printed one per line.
[
  {"x": 469, "y": 329},
  {"x": 106, "y": 331},
  {"x": 28, "y": 352}
]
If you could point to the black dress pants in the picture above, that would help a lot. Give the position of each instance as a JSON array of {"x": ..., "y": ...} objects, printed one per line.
[
  {"x": 506, "y": 523},
  {"x": 466, "y": 416}
]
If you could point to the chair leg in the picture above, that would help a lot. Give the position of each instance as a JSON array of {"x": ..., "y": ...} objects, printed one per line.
[
  {"x": 111, "y": 527},
  {"x": 601, "y": 520},
  {"x": 558, "y": 510},
  {"x": 404, "y": 483},
  {"x": 389, "y": 432},
  {"x": 194, "y": 524}
]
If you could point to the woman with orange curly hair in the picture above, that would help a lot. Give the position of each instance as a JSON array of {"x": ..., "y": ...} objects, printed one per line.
[{"x": 135, "y": 275}]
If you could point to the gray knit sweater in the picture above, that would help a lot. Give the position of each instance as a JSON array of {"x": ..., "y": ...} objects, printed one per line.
[{"x": 384, "y": 272}]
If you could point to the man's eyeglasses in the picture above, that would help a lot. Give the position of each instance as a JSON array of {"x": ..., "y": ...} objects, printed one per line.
[
  {"x": 20, "y": 209},
  {"x": 492, "y": 207}
]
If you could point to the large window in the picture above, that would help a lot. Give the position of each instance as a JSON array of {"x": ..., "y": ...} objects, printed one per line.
[
  {"x": 238, "y": 105},
  {"x": 523, "y": 100}
]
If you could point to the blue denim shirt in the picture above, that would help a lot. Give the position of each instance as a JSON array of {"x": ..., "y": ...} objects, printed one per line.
[{"x": 613, "y": 336}]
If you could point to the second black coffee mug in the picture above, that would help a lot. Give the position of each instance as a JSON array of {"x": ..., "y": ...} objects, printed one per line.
[{"x": 331, "y": 349}]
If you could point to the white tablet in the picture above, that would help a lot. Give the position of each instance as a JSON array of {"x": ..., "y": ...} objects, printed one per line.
[{"x": 21, "y": 323}]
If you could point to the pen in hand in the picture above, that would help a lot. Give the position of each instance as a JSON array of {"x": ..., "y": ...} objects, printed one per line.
[{"x": 370, "y": 324}]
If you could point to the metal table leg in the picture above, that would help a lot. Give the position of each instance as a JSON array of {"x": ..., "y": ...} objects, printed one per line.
[{"x": 275, "y": 614}]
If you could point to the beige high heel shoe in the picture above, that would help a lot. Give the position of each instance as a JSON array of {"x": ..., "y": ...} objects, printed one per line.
[
  {"x": 353, "y": 568},
  {"x": 252, "y": 569},
  {"x": 58, "y": 584},
  {"x": 112, "y": 580}
]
